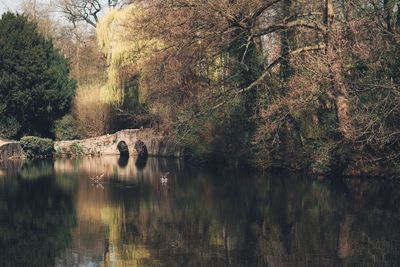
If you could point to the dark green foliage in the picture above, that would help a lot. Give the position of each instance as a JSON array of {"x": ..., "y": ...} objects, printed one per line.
[
  {"x": 35, "y": 147},
  {"x": 9, "y": 127},
  {"x": 67, "y": 128},
  {"x": 35, "y": 88},
  {"x": 327, "y": 157},
  {"x": 76, "y": 149}
]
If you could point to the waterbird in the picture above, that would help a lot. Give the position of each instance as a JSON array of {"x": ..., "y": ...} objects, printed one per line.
[
  {"x": 164, "y": 178},
  {"x": 97, "y": 178}
]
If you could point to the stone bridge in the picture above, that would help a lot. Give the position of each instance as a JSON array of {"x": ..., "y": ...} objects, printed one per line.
[
  {"x": 121, "y": 142},
  {"x": 112, "y": 144},
  {"x": 10, "y": 149}
]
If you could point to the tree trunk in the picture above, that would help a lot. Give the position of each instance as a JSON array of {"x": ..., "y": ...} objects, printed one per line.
[
  {"x": 339, "y": 89},
  {"x": 288, "y": 42}
]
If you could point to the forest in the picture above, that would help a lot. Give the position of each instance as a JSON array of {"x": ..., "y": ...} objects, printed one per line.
[{"x": 295, "y": 84}]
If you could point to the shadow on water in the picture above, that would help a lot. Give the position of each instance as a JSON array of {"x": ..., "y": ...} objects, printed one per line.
[{"x": 198, "y": 218}]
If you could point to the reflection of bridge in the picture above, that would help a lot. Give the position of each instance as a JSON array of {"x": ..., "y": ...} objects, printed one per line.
[
  {"x": 110, "y": 166},
  {"x": 109, "y": 222},
  {"x": 112, "y": 144}
]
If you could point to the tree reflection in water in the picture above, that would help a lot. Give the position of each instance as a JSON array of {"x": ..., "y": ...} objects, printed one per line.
[
  {"x": 36, "y": 218},
  {"x": 221, "y": 218}
]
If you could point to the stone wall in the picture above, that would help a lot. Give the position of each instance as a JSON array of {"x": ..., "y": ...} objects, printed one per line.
[{"x": 156, "y": 144}]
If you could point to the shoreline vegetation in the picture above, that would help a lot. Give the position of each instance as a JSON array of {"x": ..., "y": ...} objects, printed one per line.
[
  {"x": 34, "y": 148},
  {"x": 283, "y": 84}
]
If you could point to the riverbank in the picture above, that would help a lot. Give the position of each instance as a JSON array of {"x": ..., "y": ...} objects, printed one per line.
[{"x": 156, "y": 145}]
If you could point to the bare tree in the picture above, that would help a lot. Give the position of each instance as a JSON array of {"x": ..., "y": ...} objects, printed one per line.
[
  {"x": 209, "y": 57},
  {"x": 40, "y": 14},
  {"x": 87, "y": 11}
]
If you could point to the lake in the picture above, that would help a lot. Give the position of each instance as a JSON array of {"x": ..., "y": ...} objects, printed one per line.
[{"x": 112, "y": 211}]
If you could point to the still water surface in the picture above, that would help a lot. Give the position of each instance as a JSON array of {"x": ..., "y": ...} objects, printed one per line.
[{"x": 52, "y": 214}]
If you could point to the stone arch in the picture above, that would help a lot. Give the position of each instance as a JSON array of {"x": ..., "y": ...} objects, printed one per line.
[
  {"x": 123, "y": 148},
  {"x": 142, "y": 154},
  {"x": 141, "y": 150}
]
